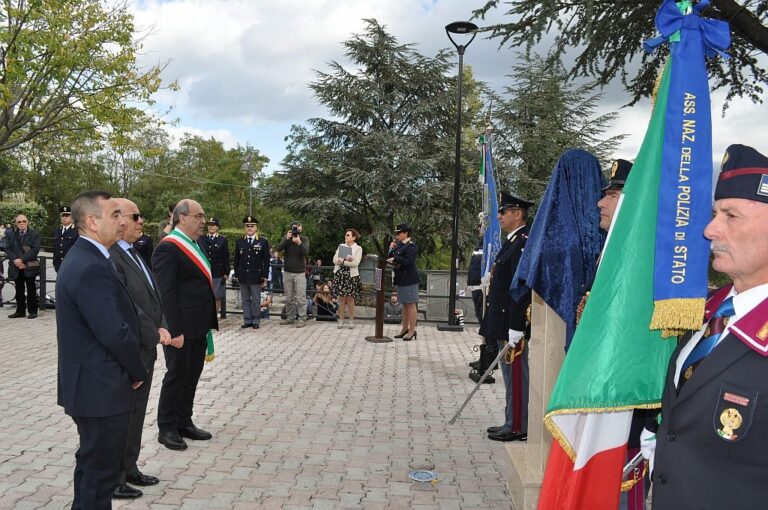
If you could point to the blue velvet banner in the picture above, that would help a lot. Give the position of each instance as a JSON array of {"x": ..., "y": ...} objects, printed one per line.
[
  {"x": 491, "y": 227},
  {"x": 685, "y": 189}
]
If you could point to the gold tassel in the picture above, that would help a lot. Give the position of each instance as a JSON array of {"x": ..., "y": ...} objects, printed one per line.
[
  {"x": 675, "y": 316},
  {"x": 209, "y": 357}
]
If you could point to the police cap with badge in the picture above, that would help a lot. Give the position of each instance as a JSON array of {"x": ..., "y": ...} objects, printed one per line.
[
  {"x": 214, "y": 221},
  {"x": 65, "y": 210},
  {"x": 743, "y": 174},
  {"x": 250, "y": 220},
  {"x": 512, "y": 202},
  {"x": 619, "y": 173}
]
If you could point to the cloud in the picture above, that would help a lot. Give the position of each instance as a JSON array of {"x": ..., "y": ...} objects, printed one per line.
[{"x": 226, "y": 137}]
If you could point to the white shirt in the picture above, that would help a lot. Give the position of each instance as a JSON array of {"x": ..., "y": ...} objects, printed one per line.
[
  {"x": 509, "y": 236},
  {"x": 743, "y": 303},
  {"x": 98, "y": 245}
]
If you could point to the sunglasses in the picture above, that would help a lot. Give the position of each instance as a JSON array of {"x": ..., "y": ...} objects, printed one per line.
[{"x": 135, "y": 216}]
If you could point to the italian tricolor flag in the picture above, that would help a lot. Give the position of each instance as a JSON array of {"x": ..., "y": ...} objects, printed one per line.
[{"x": 615, "y": 362}]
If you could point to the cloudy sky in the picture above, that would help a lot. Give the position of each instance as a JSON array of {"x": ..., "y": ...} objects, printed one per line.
[{"x": 243, "y": 65}]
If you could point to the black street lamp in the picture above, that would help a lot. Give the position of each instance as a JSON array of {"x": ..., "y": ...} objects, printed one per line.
[{"x": 462, "y": 28}]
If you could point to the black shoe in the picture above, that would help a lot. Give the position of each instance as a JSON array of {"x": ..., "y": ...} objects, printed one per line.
[
  {"x": 402, "y": 334},
  {"x": 32, "y": 316},
  {"x": 245, "y": 325},
  {"x": 409, "y": 338},
  {"x": 494, "y": 430},
  {"x": 17, "y": 315},
  {"x": 126, "y": 492},
  {"x": 195, "y": 433},
  {"x": 475, "y": 376},
  {"x": 141, "y": 479},
  {"x": 172, "y": 440},
  {"x": 474, "y": 364},
  {"x": 255, "y": 326},
  {"x": 508, "y": 436}
]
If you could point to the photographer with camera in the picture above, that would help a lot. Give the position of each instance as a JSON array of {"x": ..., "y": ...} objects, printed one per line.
[{"x": 295, "y": 248}]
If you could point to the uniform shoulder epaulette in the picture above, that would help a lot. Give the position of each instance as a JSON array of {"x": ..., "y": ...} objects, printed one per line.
[{"x": 752, "y": 328}]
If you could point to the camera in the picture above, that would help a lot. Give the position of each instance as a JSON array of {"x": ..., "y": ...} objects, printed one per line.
[{"x": 294, "y": 231}]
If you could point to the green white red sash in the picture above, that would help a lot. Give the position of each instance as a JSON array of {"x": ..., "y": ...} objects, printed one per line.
[{"x": 191, "y": 249}]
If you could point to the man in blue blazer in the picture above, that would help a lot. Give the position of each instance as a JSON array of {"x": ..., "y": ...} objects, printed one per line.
[{"x": 100, "y": 362}]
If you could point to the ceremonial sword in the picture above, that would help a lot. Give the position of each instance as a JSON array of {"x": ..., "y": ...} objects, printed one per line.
[{"x": 480, "y": 382}]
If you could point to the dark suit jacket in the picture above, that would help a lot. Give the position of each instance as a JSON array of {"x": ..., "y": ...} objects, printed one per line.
[
  {"x": 188, "y": 302},
  {"x": 15, "y": 250},
  {"x": 501, "y": 312},
  {"x": 251, "y": 262},
  {"x": 217, "y": 250},
  {"x": 97, "y": 332},
  {"x": 145, "y": 297},
  {"x": 405, "y": 263},
  {"x": 695, "y": 467},
  {"x": 62, "y": 242}
]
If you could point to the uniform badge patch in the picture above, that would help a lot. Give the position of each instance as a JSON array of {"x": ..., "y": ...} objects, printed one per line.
[
  {"x": 614, "y": 168},
  {"x": 731, "y": 420},
  {"x": 762, "y": 189}
]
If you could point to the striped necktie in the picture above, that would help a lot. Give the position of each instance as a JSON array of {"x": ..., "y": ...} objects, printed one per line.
[{"x": 709, "y": 340}]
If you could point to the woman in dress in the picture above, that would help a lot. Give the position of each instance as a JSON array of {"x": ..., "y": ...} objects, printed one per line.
[
  {"x": 402, "y": 255},
  {"x": 346, "y": 276}
]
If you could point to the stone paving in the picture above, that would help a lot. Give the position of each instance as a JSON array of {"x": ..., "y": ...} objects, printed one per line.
[{"x": 312, "y": 418}]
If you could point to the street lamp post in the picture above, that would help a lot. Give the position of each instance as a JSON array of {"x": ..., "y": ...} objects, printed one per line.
[
  {"x": 247, "y": 169},
  {"x": 458, "y": 28}
]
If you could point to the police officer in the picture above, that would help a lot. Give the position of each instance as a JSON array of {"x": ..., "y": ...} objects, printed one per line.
[
  {"x": 251, "y": 270},
  {"x": 505, "y": 319},
  {"x": 63, "y": 237},
  {"x": 144, "y": 248},
  {"x": 712, "y": 443},
  {"x": 216, "y": 247}
]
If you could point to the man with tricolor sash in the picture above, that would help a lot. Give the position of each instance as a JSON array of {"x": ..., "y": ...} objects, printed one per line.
[
  {"x": 184, "y": 276},
  {"x": 712, "y": 443}
]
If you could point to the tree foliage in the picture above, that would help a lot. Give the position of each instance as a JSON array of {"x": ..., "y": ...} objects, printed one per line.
[
  {"x": 538, "y": 117},
  {"x": 69, "y": 66},
  {"x": 608, "y": 37},
  {"x": 385, "y": 153}
]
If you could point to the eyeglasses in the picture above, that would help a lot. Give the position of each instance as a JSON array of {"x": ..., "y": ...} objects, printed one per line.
[{"x": 135, "y": 216}]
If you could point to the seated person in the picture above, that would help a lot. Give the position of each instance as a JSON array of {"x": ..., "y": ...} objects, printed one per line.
[
  {"x": 393, "y": 310},
  {"x": 266, "y": 303},
  {"x": 324, "y": 303}
]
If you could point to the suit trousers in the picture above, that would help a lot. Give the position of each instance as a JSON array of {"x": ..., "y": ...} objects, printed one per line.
[
  {"x": 97, "y": 460},
  {"x": 515, "y": 392},
  {"x": 477, "y": 300},
  {"x": 295, "y": 285},
  {"x": 133, "y": 444},
  {"x": 177, "y": 394},
  {"x": 26, "y": 294},
  {"x": 250, "y": 295}
]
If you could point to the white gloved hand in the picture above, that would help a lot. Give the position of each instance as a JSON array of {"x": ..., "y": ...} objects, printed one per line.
[
  {"x": 514, "y": 337},
  {"x": 648, "y": 447}
]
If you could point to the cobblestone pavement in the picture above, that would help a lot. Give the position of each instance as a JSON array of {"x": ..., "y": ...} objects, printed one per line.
[{"x": 301, "y": 418}]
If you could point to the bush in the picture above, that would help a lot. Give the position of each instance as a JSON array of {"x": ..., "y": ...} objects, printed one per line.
[{"x": 35, "y": 213}]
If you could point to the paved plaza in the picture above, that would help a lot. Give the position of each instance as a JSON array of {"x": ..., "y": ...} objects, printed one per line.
[{"x": 301, "y": 418}]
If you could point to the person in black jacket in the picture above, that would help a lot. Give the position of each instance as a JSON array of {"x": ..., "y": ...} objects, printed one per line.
[
  {"x": 251, "y": 270},
  {"x": 22, "y": 249},
  {"x": 217, "y": 248},
  {"x": 402, "y": 255},
  {"x": 184, "y": 278},
  {"x": 505, "y": 319},
  {"x": 63, "y": 237}
]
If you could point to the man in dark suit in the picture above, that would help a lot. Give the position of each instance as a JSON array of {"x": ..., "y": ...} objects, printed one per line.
[
  {"x": 505, "y": 320},
  {"x": 712, "y": 443},
  {"x": 100, "y": 364},
  {"x": 63, "y": 237},
  {"x": 184, "y": 277},
  {"x": 251, "y": 270},
  {"x": 142, "y": 287},
  {"x": 22, "y": 249},
  {"x": 216, "y": 248}
]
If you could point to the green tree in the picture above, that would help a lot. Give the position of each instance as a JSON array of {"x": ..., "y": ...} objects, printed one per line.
[
  {"x": 385, "y": 153},
  {"x": 538, "y": 117},
  {"x": 608, "y": 38},
  {"x": 69, "y": 66}
]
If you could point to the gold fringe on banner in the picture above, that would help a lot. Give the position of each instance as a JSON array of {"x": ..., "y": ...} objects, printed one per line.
[{"x": 676, "y": 316}]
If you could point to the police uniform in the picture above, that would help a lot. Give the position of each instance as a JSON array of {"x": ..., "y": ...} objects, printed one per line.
[
  {"x": 216, "y": 248},
  {"x": 251, "y": 268},
  {"x": 712, "y": 443},
  {"x": 63, "y": 239},
  {"x": 502, "y": 314},
  {"x": 143, "y": 247}
]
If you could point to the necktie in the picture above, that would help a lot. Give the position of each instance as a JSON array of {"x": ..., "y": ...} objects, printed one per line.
[
  {"x": 708, "y": 341},
  {"x": 136, "y": 259}
]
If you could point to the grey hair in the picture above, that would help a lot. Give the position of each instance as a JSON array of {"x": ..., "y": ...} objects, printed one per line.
[
  {"x": 181, "y": 208},
  {"x": 87, "y": 203}
]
